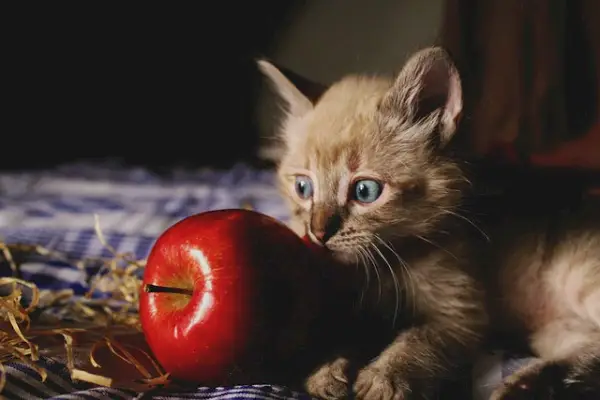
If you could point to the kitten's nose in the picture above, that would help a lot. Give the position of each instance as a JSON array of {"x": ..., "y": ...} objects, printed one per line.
[
  {"x": 320, "y": 235},
  {"x": 325, "y": 224}
]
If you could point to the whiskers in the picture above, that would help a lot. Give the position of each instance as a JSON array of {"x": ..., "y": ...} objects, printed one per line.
[
  {"x": 368, "y": 254},
  {"x": 369, "y": 262},
  {"x": 407, "y": 278},
  {"x": 395, "y": 281},
  {"x": 467, "y": 220},
  {"x": 434, "y": 244},
  {"x": 362, "y": 261}
]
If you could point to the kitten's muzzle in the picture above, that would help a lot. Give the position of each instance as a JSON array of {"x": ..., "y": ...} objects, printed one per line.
[{"x": 324, "y": 224}]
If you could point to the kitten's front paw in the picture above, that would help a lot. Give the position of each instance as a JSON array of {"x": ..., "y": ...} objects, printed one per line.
[
  {"x": 373, "y": 384},
  {"x": 330, "y": 382}
]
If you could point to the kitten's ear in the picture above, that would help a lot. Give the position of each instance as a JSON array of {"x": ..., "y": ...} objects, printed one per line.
[
  {"x": 298, "y": 104},
  {"x": 429, "y": 82}
]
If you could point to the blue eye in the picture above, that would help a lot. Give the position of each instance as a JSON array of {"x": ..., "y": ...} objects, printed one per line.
[
  {"x": 304, "y": 187},
  {"x": 367, "y": 190}
]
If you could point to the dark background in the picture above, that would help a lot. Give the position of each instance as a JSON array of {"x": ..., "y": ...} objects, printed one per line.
[
  {"x": 153, "y": 86},
  {"x": 177, "y": 83}
]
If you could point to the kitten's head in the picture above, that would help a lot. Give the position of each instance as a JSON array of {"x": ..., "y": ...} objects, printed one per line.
[{"x": 365, "y": 163}]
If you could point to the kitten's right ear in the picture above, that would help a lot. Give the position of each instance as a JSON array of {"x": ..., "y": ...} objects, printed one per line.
[
  {"x": 297, "y": 103},
  {"x": 428, "y": 83}
]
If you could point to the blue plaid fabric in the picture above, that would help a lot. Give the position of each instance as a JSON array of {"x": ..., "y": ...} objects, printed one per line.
[{"x": 55, "y": 208}]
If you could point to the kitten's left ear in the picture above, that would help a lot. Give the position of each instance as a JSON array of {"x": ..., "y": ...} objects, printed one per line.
[
  {"x": 429, "y": 82},
  {"x": 297, "y": 103}
]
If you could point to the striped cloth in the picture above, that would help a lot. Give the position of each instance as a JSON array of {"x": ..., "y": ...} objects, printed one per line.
[
  {"x": 55, "y": 208},
  {"x": 24, "y": 383}
]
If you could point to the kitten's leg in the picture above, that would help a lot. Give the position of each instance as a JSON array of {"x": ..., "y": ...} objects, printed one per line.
[
  {"x": 445, "y": 338},
  {"x": 569, "y": 367},
  {"x": 415, "y": 364},
  {"x": 331, "y": 381}
]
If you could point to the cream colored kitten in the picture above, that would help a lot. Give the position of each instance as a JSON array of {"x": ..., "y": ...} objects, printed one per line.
[{"x": 368, "y": 174}]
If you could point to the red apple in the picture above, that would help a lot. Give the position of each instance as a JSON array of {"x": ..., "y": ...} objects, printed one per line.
[{"x": 224, "y": 291}]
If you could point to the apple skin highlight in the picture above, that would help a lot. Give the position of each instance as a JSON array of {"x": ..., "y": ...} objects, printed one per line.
[{"x": 249, "y": 281}]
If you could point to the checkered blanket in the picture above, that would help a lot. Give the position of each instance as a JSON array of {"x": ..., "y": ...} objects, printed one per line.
[{"x": 55, "y": 208}]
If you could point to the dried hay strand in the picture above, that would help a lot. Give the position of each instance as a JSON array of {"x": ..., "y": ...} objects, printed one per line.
[{"x": 101, "y": 341}]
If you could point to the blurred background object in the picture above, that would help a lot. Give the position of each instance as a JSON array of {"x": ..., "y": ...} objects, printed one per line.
[{"x": 531, "y": 71}]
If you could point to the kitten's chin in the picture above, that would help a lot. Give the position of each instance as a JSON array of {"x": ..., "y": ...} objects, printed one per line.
[{"x": 343, "y": 257}]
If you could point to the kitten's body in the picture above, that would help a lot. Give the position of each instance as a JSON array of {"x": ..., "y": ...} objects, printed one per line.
[
  {"x": 543, "y": 285},
  {"x": 425, "y": 274}
]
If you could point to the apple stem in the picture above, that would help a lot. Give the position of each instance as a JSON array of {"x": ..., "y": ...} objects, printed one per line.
[{"x": 149, "y": 288}]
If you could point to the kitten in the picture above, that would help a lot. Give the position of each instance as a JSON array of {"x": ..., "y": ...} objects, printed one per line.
[
  {"x": 366, "y": 175},
  {"x": 367, "y": 172}
]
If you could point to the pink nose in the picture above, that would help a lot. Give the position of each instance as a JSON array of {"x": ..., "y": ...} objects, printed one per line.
[{"x": 319, "y": 235}]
